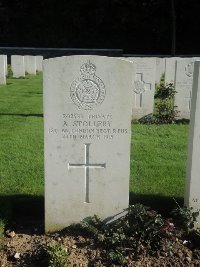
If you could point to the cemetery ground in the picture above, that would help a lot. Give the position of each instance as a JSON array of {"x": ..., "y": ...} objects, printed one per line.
[{"x": 158, "y": 164}]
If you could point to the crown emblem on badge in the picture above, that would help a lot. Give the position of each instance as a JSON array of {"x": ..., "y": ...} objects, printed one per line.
[{"x": 88, "y": 68}]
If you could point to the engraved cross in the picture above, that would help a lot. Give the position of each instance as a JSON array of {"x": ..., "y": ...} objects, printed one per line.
[
  {"x": 146, "y": 87},
  {"x": 189, "y": 98},
  {"x": 87, "y": 166},
  {"x": 139, "y": 77}
]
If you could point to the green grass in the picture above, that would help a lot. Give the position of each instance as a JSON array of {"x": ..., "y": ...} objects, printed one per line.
[
  {"x": 158, "y": 159},
  {"x": 158, "y": 154},
  {"x": 21, "y": 145},
  {"x": 21, "y": 135},
  {"x": 158, "y": 164},
  {"x": 22, "y": 96}
]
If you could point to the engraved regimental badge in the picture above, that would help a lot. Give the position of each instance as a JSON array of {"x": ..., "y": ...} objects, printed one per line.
[
  {"x": 189, "y": 68},
  {"x": 88, "y": 90}
]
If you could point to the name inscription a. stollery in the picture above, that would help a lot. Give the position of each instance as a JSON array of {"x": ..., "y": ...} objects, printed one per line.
[{"x": 88, "y": 90}]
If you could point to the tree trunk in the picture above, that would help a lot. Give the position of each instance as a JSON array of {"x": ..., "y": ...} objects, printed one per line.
[{"x": 173, "y": 37}]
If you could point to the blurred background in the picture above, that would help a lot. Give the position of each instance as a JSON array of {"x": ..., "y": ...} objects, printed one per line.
[{"x": 168, "y": 27}]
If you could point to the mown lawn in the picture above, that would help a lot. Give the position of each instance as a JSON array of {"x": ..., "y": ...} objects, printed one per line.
[
  {"x": 21, "y": 145},
  {"x": 158, "y": 153},
  {"x": 21, "y": 135},
  {"x": 158, "y": 164}
]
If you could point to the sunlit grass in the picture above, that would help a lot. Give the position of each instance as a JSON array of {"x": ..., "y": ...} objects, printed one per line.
[
  {"x": 158, "y": 159},
  {"x": 158, "y": 152}
]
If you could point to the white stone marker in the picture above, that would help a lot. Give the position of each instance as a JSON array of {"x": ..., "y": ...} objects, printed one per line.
[
  {"x": 160, "y": 69},
  {"x": 144, "y": 86},
  {"x": 6, "y": 64},
  {"x": 18, "y": 66},
  {"x": 2, "y": 69},
  {"x": 30, "y": 64},
  {"x": 39, "y": 60},
  {"x": 183, "y": 86},
  {"x": 170, "y": 69},
  {"x": 87, "y": 116},
  {"x": 192, "y": 185}
]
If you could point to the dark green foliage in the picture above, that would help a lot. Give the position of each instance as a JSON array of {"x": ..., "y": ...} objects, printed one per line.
[
  {"x": 165, "y": 91},
  {"x": 116, "y": 257},
  {"x": 140, "y": 228},
  {"x": 165, "y": 111},
  {"x": 185, "y": 217},
  {"x": 56, "y": 255},
  {"x": 194, "y": 236},
  {"x": 148, "y": 119}
]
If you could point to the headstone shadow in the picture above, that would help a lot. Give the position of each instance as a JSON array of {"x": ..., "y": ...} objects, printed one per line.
[
  {"x": 22, "y": 115},
  {"x": 23, "y": 212},
  {"x": 162, "y": 204}
]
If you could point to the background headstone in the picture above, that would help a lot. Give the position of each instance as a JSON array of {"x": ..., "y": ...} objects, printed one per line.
[
  {"x": 160, "y": 68},
  {"x": 39, "y": 60},
  {"x": 2, "y": 69},
  {"x": 87, "y": 115},
  {"x": 30, "y": 64},
  {"x": 192, "y": 185},
  {"x": 6, "y": 64},
  {"x": 18, "y": 66},
  {"x": 183, "y": 86},
  {"x": 144, "y": 86},
  {"x": 170, "y": 69}
]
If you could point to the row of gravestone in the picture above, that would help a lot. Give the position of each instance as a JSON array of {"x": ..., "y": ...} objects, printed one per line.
[
  {"x": 149, "y": 71},
  {"x": 20, "y": 65},
  {"x": 87, "y": 118},
  {"x": 87, "y": 125}
]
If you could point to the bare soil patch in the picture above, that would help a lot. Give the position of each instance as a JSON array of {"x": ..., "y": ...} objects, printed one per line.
[{"x": 25, "y": 247}]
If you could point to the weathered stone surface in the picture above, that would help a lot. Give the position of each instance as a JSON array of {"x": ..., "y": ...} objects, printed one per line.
[
  {"x": 39, "y": 60},
  {"x": 170, "y": 69},
  {"x": 2, "y": 69},
  {"x": 6, "y": 64},
  {"x": 30, "y": 64},
  {"x": 183, "y": 86},
  {"x": 87, "y": 114},
  {"x": 18, "y": 66},
  {"x": 144, "y": 86},
  {"x": 160, "y": 68},
  {"x": 192, "y": 185}
]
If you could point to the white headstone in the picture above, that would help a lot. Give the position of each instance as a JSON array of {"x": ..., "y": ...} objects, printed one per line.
[
  {"x": 87, "y": 116},
  {"x": 39, "y": 60},
  {"x": 18, "y": 66},
  {"x": 144, "y": 86},
  {"x": 30, "y": 64},
  {"x": 183, "y": 86},
  {"x": 6, "y": 64},
  {"x": 160, "y": 69},
  {"x": 192, "y": 185},
  {"x": 170, "y": 68},
  {"x": 2, "y": 69}
]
